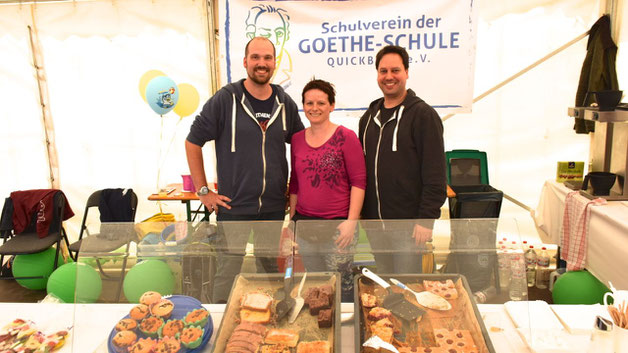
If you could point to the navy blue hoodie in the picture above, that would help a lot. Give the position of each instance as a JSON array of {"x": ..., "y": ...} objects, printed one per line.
[{"x": 251, "y": 163}]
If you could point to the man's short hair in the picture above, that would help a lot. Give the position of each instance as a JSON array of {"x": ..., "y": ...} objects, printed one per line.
[
  {"x": 246, "y": 48},
  {"x": 323, "y": 86},
  {"x": 393, "y": 49}
]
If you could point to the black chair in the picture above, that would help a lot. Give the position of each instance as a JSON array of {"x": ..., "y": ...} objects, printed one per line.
[
  {"x": 102, "y": 242},
  {"x": 28, "y": 241},
  {"x": 111, "y": 236}
]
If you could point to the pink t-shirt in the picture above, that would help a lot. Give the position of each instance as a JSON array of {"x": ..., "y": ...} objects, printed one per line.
[{"x": 322, "y": 177}]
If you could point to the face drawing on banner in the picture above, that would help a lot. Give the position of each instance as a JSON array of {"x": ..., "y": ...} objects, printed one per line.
[{"x": 273, "y": 23}]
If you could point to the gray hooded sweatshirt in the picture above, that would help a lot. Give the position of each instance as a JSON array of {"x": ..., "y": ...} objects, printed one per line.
[{"x": 251, "y": 163}]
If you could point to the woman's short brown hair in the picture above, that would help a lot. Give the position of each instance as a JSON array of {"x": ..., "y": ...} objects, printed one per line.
[{"x": 323, "y": 86}]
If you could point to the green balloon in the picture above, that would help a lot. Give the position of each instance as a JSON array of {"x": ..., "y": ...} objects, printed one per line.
[
  {"x": 148, "y": 275},
  {"x": 75, "y": 278},
  {"x": 35, "y": 265},
  {"x": 578, "y": 287}
]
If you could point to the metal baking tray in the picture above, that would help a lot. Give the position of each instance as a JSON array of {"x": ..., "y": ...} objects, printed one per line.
[
  {"x": 463, "y": 315},
  {"x": 306, "y": 324}
]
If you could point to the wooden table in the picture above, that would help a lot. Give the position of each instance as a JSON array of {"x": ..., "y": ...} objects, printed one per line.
[{"x": 185, "y": 197}]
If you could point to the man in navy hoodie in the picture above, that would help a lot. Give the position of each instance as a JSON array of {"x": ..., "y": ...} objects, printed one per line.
[
  {"x": 402, "y": 138},
  {"x": 250, "y": 121}
]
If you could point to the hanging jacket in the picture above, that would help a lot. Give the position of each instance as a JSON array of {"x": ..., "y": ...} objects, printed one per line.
[
  {"x": 115, "y": 205},
  {"x": 251, "y": 163},
  {"x": 38, "y": 203},
  {"x": 405, "y": 161},
  {"x": 598, "y": 69}
]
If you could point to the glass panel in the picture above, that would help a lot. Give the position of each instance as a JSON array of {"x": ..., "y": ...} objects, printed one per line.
[{"x": 221, "y": 262}]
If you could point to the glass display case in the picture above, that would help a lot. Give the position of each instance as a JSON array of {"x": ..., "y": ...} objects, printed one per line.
[{"x": 216, "y": 265}]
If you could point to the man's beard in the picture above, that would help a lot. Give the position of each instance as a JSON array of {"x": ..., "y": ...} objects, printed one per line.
[{"x": 259, "y": 81}]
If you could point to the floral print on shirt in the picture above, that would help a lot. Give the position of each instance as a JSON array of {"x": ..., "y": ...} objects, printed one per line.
[{"x": 325, "y": 164}]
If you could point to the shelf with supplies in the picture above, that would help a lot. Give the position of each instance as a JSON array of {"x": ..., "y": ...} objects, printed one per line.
[{"x": 593, "y": 114}]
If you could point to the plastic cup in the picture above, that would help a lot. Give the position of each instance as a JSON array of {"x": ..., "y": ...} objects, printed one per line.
[{"x": 188, "y": 184}]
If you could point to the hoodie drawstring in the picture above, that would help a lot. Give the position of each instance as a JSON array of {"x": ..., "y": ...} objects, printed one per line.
[
  {"x": 233, "y": 124},
  {"x": 396, "y": 131},
  {"x": 283, "y": 114}
]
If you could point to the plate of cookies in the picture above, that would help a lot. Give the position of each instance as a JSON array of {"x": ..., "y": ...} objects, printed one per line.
[{"x": 175, "y": 323}]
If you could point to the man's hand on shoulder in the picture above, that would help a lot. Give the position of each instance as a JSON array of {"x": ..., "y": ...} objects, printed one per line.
[{"x": 212, "y": 200}]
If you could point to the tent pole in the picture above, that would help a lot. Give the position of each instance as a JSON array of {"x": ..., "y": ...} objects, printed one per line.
[
  {"x": 211, "y": 42},
  {"x": 530, "y": 67},
  {"x": 49, "y": 131}
]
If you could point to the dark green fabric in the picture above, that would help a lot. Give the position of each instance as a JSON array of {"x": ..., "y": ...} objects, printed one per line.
[{"x": 598, "y": 70}]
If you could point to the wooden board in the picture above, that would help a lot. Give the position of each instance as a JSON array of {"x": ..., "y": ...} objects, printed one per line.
[
  {"x": 463, "y": 315},
  {"x": 305, "y": 324}
]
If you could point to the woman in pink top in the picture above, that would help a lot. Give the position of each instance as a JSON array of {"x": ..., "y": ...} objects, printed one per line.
[{"x": 327, "y": 182}]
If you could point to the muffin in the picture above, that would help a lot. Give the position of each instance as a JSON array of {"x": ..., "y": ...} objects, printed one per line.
[
  {"x": 139, "y": 312},
  {"x": 196, "y": 317},
  {"x": 149, "y": 298},
  {"x": 162, "y": 308},
  {"x": 150, "y": 326},
  {"x": 143, "y": 345},
  {"x": 167, "y": 345},
  {"x": 123, "y": 340},
  {"x": 191, "y": 336},
  {"x": 126, "y": 325},
  {"x": 171, "y": 328}
]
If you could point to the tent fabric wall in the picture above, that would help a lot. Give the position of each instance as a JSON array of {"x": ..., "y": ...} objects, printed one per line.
[
  {"x": 95, "y": 52},
  {"x": 524, "y": 126}
]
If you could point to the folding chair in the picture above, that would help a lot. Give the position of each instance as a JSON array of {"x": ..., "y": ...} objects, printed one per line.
[
  {"x": 105, "y": 243},
  {"x": 110, "y": 238},
  {"x": 28, "y": 241}
]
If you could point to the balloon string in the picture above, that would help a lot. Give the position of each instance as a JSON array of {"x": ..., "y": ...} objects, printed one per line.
[
  {"x": 171, "y": 143},
  {"x": 161, "y": 136}
]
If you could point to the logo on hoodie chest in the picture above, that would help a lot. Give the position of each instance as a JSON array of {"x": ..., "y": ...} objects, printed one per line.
[{"x": 262, "y": 119}]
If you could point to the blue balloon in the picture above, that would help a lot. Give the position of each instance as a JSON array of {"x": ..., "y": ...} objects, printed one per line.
[{"x": 162, "y": 94}]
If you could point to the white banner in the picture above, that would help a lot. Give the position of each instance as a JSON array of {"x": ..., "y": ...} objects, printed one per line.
[{"x": 338, "y": 41}]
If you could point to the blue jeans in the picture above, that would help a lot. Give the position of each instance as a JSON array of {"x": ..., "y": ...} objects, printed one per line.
[{"x": 230, "y": 245}]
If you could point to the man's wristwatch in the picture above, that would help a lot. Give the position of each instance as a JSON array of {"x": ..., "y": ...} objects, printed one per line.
[{"x": 204, "y": 190}]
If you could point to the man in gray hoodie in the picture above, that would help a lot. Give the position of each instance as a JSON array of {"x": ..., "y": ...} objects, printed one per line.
[{"x": 250, "y": 121}]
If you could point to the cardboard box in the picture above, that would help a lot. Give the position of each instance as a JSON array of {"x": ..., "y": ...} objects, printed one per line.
[{"x": 569, "y": 171}]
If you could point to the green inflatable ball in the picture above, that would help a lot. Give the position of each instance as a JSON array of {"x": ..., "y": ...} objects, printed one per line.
[
  {"x": 75, "y": 278},
  {"x": 578, "y": 287},
  {"x": 39, "y": 264},
  {"x": 148, "y": 275}
]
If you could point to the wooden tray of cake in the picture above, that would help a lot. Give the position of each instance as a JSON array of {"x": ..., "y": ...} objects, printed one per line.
[
  {"x": 450, "y": 320},
  {"x": 250, "y": 318}
]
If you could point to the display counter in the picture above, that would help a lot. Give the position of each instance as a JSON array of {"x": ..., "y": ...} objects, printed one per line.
[
  {"x": 457, "y": 263},
  {"x": 97, "y": 320},
  {"x": 606, "y": 254}
]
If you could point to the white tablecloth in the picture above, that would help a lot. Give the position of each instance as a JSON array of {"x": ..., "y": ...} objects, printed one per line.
[
  {"x": 607, "y": 253},
  {"x": 93, "y": 322}
]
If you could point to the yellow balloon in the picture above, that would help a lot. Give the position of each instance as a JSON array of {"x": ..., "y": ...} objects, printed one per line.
[
  {"x": 188, "y": 100},
  {"x": 145, "y": 79}
]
